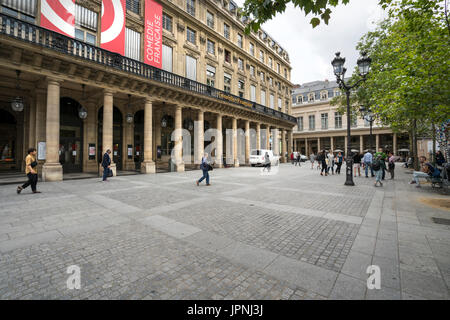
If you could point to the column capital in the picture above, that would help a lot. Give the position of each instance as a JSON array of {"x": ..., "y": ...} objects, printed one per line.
[
  {"x": 54, "y": 80},
  {"x": 149, "y": 100},
  {"x": 108, "y": 92}
]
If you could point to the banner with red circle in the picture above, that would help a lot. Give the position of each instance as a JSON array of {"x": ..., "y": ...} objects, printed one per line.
[
  {"x": 59, "y": 16},
  {"x": 113, "y": 26}
]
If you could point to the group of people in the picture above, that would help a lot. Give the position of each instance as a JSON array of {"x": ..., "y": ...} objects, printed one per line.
[
  {"x": 376, "y": 163},
  {"x": 296, "y": 158},
  {"x": 326, "y": 162}
]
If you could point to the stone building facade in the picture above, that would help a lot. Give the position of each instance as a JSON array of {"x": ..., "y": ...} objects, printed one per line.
[
  {"x": 320, "y": 126},
  {"x": 213, "y": 75}
]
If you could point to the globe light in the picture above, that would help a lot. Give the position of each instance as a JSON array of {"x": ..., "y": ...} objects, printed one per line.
[
  {"x": 82, "y": 113},
  {"x": 17, "y": 104},
  {"x": 129, "y": 118},
  {"x": 338, "y": 64},
  {"x": 364, "y": 64}
]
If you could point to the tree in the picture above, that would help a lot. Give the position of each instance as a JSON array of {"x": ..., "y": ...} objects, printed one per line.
[{"x": 408, "y": 87}]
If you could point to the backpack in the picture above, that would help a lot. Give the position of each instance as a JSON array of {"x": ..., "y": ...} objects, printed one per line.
[{"x": 376, "y": 165}]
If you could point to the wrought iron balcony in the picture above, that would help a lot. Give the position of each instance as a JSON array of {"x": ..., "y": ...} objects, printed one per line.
[{"x": 37, "y": 35}]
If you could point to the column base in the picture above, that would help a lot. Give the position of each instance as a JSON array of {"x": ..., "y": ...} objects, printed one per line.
[
  {"x": 179, "y": 167},
  {"x": 148, "y": 167},
  {"x": 52, "y": 172},
  {"x": 130, "y": 165},
  {"x": 236, "y": 163}
]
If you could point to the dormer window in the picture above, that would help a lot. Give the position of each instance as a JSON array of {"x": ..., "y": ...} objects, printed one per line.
[
  {"x": 299, "y": 99},
  {"x": 323, "y": 95},
  {"x": 311, "y": 97}
]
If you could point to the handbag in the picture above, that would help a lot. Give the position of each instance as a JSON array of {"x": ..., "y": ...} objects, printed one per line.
[
  {"x": 33, "y": 164},
  {"x": 210, "y": 168},
  {"x": 110, "y": 173}
]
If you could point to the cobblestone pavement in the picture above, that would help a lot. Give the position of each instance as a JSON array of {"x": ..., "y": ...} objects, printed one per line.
[{"x": 291, "y": 235}]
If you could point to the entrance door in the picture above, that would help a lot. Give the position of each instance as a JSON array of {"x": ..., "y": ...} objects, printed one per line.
[
  {"x": 117, "y": 155},
  {"x": 117, "y": 145},
  {"x": 70, "y": 150}
]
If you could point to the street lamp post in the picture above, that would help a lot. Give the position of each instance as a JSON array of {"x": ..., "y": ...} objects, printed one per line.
[
  {"x": 339, "y": 70},
  {"x": 369, "y": 117}
]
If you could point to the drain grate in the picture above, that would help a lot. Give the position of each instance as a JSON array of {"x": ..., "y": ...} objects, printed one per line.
[{"x": 441, "y": 221}]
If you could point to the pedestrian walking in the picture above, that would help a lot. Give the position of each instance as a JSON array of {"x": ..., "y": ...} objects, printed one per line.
[
  {"x": 205, "y": 167},
  {"x": 330, "y": 157},
  {"x": 106, "y": 164},
  {"x": 31, "y": 171},
  {"x": 376, "y": 166},
  {"x": 339, "y": 160},
  {"x": 292, "y": 158},
  {"x": 299, "y": 159},
  {"x": 323, "y": 162},
  {"x": 357, "y": 163},
  {"x": 383, "y": 161},
  {"x": 391, "y": 165},
  {"x": 368, "y": 159},
  {"x": 312, "y": 158},
  {"x": 266, "y": 162}
]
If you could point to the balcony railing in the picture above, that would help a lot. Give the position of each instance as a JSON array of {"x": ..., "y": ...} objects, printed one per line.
[{"x": 36, "y": 35}]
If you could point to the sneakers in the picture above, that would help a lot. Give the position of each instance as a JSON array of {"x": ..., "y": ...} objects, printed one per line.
[
  {"x": 412, "y": 182},
  {"x": 19, "y": 189},
  {"x": 208, "y": 184},
  {"x": 36, "y": 192}
]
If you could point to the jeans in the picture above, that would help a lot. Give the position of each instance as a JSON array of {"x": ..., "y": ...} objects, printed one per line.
[
  {"x": 391, "y": 171},
  {"x": 105, "y": 173},
  {"x": 368, "y": 165},
  {"x": 205, "y": 175},
  {"x": 324, "y": 167},
  {"x": 378, "y": 175},
  {"x": 32, "y": 180},
  {"x": 419, "y": 174},
  {"x": 338, "y": 169}
]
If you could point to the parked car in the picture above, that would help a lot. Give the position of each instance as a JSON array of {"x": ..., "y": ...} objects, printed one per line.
[
  {"x": 303, "y": 158},
  {"x": 257, "y": 157}
]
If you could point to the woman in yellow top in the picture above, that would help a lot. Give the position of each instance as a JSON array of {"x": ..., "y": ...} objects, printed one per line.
[{"x": 31, "y": 171}]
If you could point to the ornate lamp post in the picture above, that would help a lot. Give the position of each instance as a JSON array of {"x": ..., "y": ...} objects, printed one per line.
[
  {"x": 369, "y": 116},
  {"x": 339, "y": 70}
]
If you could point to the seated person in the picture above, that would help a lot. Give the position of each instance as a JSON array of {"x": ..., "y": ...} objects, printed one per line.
[{"x": 427, "y": 171}]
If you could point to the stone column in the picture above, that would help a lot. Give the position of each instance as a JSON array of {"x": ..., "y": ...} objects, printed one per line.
[
  {"x": 199, "y": 146},
  {"x": 258, "y": 135},
  {"x": 247, "y": 141},
  {"x": 219, "y": 144},
  {"x": 90, "y": 136},
  {"x": 332, "y": 144},
  {"x": 148, "y": 165},
  {"x": 377, "y": 142},
  {"x": 267, "y": 137},
  {"x": 235, "y": 149},
  {"x": 275, "y": 142},
  {"x": 290, "y": 147},
  {"x": 318, "y": 145},
  {"x": 107, "y": 138},
  {"x": 361, "y": 144},
  {"x": 283, "y": 146},
  {"x": 41, "y": 107},
  {"x": 394, "y": 143},
  {"x": 306, "y": 147},
  {"x": 178, "y": 139},
  {"x": 52, "y": 169}
]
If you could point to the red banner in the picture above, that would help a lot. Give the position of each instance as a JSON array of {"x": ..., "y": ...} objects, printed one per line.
[
  {"x": 113, "y": 25},
  {"x": 59, "y": 16},
  {"x": 153, "y": 34}
]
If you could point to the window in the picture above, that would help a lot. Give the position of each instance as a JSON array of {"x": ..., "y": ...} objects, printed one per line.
[
  {"x": 167, "y": 22},
  {"x": 85, "y": 18},
  {"x": 271, "y": 81},
  {"x": 324, "y": 120},
  {"x": 279, "y": 85},
  {"x": 272, "y": 101},
  {"x": 190, "y": 35},
  {"x": 252, "y": 49},
  {"x": 300, "y": 123},
  {"x": 299, "y": 99},
  {"x": 241, "y": 87},
  {"x": 227, "y": 56},
  {"x": 252, "y": 71},
  {"x": 312, "y": 122},
  {"x": 191, "y": 68},
  {"x": 23, "y": 10},
  {"x": 226, "y": 31},
  {"x": 167, "y": 58},
  {"x": 278, "y": 68},
  {"x": 253, "y": 93},
  {"x": 261, "y": 56},
  {"x": 190, "y": 7},
  {"x": 211, "y": 47},
  {"x": 132, "y": 44},
  {"x": 262, "y": 74},
  {"x": 210, "y": 75},
  {"x": 133, "y": 5},
  {"x": 279, "y": 104},
  {"x": 227, "y": 82},
  {"x": 210, "y": 19},
  {"x": 323, "y": 95},
  {"x": 240, "y": 64},
  {"x": 285, "y": 73},
  {"x": 311, "y": 97},
  {"x": 270, "y": 63},
  {"x": 286, "y": 106},
  {"x": 337, "y": 93},
  {"x": 354, "y": 120},
  {"x": 85, "y": 36},
  {"x": 263, "y": 97},
  {"x": 240, "y": 41},
  {"x": 337, "y": 120}
]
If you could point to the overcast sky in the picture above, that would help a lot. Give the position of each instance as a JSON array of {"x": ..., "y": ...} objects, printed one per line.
[{"x": 311, "y": 50}]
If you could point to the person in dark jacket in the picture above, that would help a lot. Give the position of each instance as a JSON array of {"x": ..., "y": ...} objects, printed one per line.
[
  {"x": 321, "y": 159},
  {"x": 339, "y": 160},
  {"x": 205, "y": 168},
  {"x": 440, "y": 160},
  {"x": 106, "y": 164}
]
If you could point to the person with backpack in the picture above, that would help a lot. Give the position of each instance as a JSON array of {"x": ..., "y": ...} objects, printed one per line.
[
  {"x": 339, "y": 158},
  {"x": 391, "y": 165},
  {"x": 106, "y": 164},
  {"x": 357, "y": 163},
  {"x": 266, "y": 162},
  {"x": 31, "y": 171},
  {"x": 205, "y": 167},
  {"x": 427, "y": 170},
  {"x": 377, "y": 168},
  {"x": 383, "y": 162}
]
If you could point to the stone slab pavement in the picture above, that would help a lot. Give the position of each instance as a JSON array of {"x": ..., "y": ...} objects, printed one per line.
[{"x": 290, "y": 234}]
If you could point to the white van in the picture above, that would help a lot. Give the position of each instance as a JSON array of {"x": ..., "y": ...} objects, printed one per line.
[{"x": 257, "y": 157}]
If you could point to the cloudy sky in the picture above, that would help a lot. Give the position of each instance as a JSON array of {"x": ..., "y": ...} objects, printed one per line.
[{"x": 311, "y": 50}]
